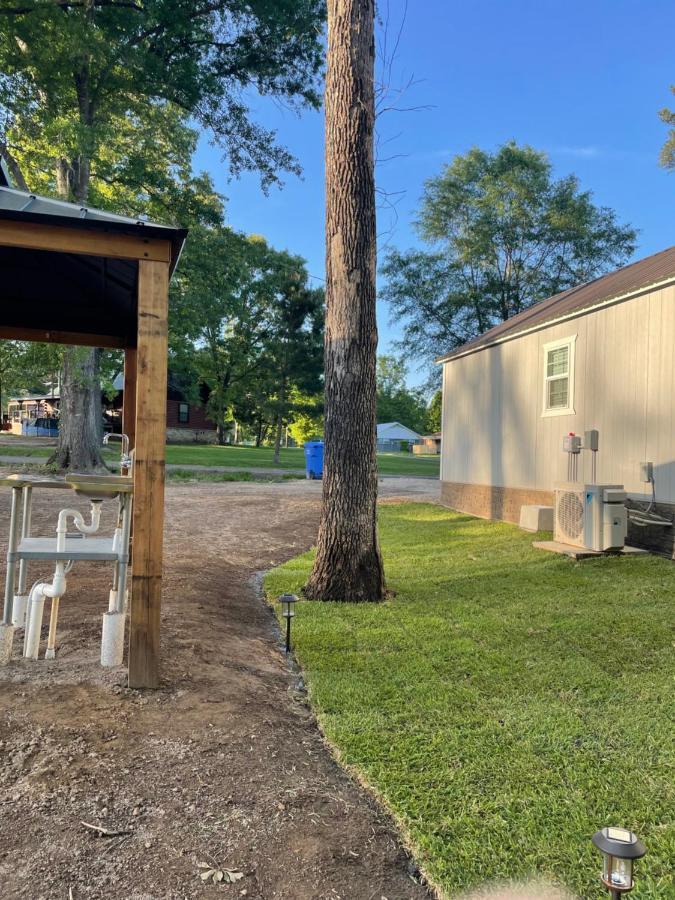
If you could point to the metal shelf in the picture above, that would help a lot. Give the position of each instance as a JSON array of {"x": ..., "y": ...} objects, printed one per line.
[{"x": 96, "y": 549}]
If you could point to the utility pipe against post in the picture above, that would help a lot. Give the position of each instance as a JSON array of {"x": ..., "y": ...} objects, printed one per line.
[
  {"x": 6, "y": 627},
  {"x": 20, "y": 596},
  {"x": 57, "y": 588},
  {"x": 112, "y": 636}
]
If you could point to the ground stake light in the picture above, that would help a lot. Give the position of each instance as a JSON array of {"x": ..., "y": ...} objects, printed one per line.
[
  {"x": 288, "y": 602},
  {"x": 619, "y": 847}
]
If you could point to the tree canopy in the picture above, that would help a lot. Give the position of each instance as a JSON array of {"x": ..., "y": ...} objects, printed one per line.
[
  {"x": 74, "y": 73},
  {"x": 245, "y": 322},
  {"x": 395, "y": 401},
  {"x": 668, "y": 150},
  {"x": 501, "y": 233}
]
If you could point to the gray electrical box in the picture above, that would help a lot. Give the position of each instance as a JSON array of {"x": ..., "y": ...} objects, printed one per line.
[
  {"x": 572, "y": 443},
  {"x": 646, "y": 471},
  {"x": 592, "y": 439}
]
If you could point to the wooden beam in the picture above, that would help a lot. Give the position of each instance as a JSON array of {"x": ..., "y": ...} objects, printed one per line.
[
  {"x": 35, "y": 236},
  {"x": 148, "y": 519},
  {"x": 129, "y": 397},
  {"x": 11, "y": 333}
]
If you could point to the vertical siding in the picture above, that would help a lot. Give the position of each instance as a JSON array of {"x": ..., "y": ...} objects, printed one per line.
[{"x": 494, "y": 432}]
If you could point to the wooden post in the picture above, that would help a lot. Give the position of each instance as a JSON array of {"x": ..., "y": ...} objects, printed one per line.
[
  {"x": 129, "y": 398},
  {"x": 148, "y": 519}
]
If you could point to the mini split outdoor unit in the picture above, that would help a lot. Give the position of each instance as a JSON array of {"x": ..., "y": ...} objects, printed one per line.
[{"x": 592, "y": 516}]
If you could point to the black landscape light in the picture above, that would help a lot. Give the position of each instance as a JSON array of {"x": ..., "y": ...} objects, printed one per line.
[
  {"x": 619, "y": 847},
  {"x": 288, "y": 602}
]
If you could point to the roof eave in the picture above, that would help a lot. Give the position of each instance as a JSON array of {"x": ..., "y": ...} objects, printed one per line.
[{"x": 549, "y": 323}]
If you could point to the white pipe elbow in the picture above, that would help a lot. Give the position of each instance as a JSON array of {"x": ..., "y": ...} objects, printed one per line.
[
  {"x": 78, "y": 521},
  {"x": 58, "y": 586}
]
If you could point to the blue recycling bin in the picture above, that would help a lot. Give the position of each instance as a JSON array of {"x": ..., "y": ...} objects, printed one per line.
[{"x": 314, "y": 459}]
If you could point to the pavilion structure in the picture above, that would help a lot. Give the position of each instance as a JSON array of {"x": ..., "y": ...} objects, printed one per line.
[{"x": 75, "y": 275}]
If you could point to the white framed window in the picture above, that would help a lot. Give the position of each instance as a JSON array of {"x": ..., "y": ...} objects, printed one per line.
[{"x": 559, "y": 377}]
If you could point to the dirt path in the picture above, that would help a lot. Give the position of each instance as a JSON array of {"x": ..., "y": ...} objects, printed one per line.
[{"x": 223, "y": 765}]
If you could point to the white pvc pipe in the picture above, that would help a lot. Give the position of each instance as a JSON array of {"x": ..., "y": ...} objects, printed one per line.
[
  {"x": 57, "y": 588},
  {"x": 78, "y": 522},
  {"x": 112, "y": 639},
  {"x": 19, "y": 610},
  {"x": 31, "y": 648}
]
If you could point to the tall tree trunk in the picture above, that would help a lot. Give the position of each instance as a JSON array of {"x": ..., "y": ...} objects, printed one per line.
[
  {"x": 280, "y": 423},
  {"x": 79, "y": 444},
  {"x": 348, "y": 564},
  {"x": 81, "y": 419}
]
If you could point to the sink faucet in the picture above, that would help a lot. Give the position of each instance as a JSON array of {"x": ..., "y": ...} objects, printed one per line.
[{"x": 125, "y": 460}]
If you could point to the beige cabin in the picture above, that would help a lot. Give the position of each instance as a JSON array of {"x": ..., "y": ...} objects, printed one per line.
[{"x": 598, "y": 356}]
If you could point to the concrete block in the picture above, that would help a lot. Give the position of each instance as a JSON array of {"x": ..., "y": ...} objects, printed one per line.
[
  {"x": 536, "y": 518},
  {"x": 6, "y": 638},
  {"x": 112, "y": 640}
]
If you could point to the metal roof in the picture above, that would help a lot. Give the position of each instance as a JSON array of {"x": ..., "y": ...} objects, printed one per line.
[
  {"x": 618, "y": 286},
  {"x": 73, "y": 293},
  {"x": 20, "y": 206}
]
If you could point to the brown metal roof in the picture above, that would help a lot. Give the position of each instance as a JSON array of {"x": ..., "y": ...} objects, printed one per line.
[{"x": 626, "y": 280}]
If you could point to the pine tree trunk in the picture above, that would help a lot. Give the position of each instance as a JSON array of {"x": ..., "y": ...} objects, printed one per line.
[
  {"x": 348, "y": 564},
  {"x": 80, "y": 420}
]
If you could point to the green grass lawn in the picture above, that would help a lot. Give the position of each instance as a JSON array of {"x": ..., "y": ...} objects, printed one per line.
[
  {"x": 506, "y": 703},
  {"x": 258, "y": 457},
  {"x": 190, "y": 475}
]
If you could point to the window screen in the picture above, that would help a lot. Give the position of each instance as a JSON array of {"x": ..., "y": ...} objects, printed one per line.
[{"x": 557, "y": 377}]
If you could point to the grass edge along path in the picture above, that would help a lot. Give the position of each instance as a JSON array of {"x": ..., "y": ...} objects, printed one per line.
[{"x": 505, "y": 704}]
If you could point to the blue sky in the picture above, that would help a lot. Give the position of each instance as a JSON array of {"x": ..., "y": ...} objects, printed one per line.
[{"x": 582, "y": 81}]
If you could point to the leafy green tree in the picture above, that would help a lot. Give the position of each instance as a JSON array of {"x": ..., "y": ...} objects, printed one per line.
[
  {"x": 502, "y": 233},
  {"x": 395, "y": 401},
  {"x": 294, "y": 349},
  {"x": 668, "y": 150},
  {"x": 307, "y": 418},
  {"x": 245, "y": 323},
  {"x": 93, "y": 91},
  {"x": 18, "y": 369},
  {"x": 434, "y": 413}
]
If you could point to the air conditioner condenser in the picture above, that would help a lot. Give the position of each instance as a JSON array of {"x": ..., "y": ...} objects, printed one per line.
[{"x": 592, "y": 516}]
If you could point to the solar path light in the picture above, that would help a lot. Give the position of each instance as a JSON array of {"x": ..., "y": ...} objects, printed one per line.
[
  {"x": 619, "y": 847},
  {"x": 288, "y": 602}
]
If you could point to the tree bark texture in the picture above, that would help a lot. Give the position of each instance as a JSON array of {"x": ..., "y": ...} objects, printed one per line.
[
  {"x": 80, "y": 428},
  {"x": 348, "y": 565},
  {"x": 80, "y": 421}
]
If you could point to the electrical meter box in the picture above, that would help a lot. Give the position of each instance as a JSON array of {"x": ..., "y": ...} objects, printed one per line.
[
  {"x": 592, "y": 440},
  {"x": 572, "y": 443}
]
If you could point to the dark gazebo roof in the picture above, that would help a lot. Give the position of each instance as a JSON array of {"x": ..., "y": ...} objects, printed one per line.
[{"x": 73, "y": 293}]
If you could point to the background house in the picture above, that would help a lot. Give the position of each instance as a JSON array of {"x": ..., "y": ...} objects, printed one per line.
[
  {"x": 600, "y": 355},
  {"x": 34, "y": 414},
  {"x": 186, "y": 420},
  {"x": 393, "y": 436},
  {"x": 428, "y": 444}
]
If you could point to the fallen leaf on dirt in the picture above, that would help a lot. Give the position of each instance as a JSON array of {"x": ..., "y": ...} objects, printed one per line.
[
  {"x": 233, "y": 876},
  {"x": 218, "y": 876}
]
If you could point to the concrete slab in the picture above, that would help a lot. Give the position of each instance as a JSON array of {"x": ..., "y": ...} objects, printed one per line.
[{"x": 582, "y": 553}]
